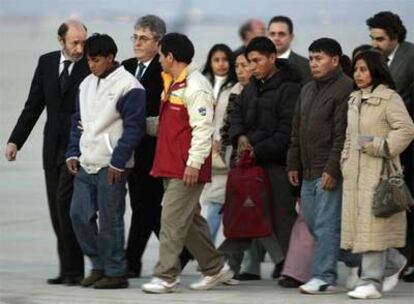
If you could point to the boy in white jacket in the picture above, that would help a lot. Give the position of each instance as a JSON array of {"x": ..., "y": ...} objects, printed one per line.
[{"x": 107, "y": 126}]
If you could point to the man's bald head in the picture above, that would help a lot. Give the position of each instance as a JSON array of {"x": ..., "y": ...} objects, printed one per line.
[{"x": 71, "y": 36}]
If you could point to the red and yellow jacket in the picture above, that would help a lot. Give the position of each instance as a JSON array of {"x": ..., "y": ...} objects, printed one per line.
[{"x": 185, "y": 126}]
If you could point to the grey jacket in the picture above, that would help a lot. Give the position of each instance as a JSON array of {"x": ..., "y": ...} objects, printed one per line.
[
  {"x": 319, "y": 124},
  {"x": 302, "y": 64},
  {"x": 402, "y": 70}
]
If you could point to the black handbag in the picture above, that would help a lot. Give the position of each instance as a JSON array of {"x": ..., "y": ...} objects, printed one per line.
[{"x": 391, "y": 194}]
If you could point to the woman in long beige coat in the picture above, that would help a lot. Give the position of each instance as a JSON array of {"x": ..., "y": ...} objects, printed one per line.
[{"x": 379, "y": 129}]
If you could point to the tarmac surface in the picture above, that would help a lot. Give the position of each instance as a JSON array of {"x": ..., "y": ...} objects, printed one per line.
[{"x": 28, "y": 257}]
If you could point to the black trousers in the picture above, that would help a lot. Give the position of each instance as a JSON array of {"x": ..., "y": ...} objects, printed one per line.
[
  {"x": 283, "y": 202},
  {"x": 59, "y": 187},
  {"x": 407, "y": 161},
  {"x": 145, "y": 193}
]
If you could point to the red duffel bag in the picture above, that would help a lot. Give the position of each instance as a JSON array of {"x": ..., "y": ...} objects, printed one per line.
[{"x": 247, "y": 210}]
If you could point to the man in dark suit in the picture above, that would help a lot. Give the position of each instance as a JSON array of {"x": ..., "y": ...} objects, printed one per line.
[
  {"x": 145, "y": 191},
  {"x": 280, "y": 31},
  {"x": 388, "y": 33},
  {"x": 54, "y": 87}
]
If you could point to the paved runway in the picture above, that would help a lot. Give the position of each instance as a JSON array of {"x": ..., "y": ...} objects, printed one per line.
[{"x": 28, "y": 257}]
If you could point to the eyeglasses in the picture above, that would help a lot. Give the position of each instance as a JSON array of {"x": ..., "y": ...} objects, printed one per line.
[{"x": 142, "y": 39}]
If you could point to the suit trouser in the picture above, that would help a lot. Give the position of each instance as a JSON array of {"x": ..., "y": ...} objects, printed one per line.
[
  {"x": 182, "y": 225},
  {"x": 59, "y": 187},
  {"x": 146, "y": 194},
  {"x": 407, "y": 161}
]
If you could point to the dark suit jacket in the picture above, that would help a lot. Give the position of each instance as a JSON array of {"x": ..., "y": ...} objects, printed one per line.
[
  {"x": 402, "y": 70},
  {"x": 45, "y": 92},
  {"x": 153, "y": 84},
  {"x": 302, "y": 64}
]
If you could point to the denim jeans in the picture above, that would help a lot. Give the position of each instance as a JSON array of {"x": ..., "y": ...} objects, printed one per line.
[
  {"x": 104, "y": 245},
  {"x": 321, "y": 210},
  {"x": 214, "y": 219}
]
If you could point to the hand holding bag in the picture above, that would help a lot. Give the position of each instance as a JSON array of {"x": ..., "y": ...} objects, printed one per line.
[
  {"x": 391, "y": 194},
  {"x": 247, "y": 211}
]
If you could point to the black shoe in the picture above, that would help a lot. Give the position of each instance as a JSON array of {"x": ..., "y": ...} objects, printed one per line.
[
  {"x": 73, "y": 281},
  {"x": 278, "y": 270},
  {"x": 245, "y": 276},
  {"x": 111, "y": 283},
  {"x": 288, "y": 282},
  {"x": 133, "y": 270},
  {"x": 92, "y": 278},
  {"x": 56, "y": 281},
  {"x": 409, "y": 278}
]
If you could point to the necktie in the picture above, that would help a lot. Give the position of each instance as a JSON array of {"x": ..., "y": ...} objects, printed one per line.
[
  {"x": 141, "y": 68},
  {"x": 64, "y": 76}
]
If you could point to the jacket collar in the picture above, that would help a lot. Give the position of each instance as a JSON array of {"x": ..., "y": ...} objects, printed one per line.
[
  {"x": 110, "y": 70},
  {"x": 379, "y": 93},
  {"x": 330, "y": 77}
]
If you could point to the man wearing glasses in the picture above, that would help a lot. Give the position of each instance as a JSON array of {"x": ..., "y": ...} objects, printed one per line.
[{"x": 145, "y": 191}]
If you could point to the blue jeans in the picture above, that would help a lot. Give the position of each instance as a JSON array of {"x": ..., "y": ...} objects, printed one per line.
[
  {"x": 104, "y": 245},
  {"x": 214, "y": 219},
  {"x": 321, "y": 211}
]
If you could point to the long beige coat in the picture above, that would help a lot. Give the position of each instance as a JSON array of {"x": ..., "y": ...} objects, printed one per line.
[{"x": 384, "y": 116}]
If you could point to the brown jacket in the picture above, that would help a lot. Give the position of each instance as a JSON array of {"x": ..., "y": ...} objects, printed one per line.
[
  {"x": 319, "y": 124},
  {"x": 383, "y": 116}
]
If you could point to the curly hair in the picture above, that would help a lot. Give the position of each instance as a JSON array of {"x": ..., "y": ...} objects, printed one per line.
[{"x": 391, "y": 23}]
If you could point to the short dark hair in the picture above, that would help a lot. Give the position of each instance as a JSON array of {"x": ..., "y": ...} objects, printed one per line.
[
  {"x": 282, "y": 19},
  {"x": 208, "y": 69},
  {"x": 179, "y": 45},
  {"x": 377, "y": 67},
  {"x": 391, "y": 23},
  {"x": 346, "y": 64},
  {"x": 64, "y": 28},
  {"x": 359, "y": 49},
  {"x": 244, "y": 29},
  {"x": 327, "y": 45},
  {"x": 263, "y": 45},
  {"x": 100, "y": 45},
  {"x": 239, "y": 52}
]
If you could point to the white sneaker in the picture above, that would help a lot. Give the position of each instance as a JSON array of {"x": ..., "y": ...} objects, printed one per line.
[
  {"x": 232, "y": 282},
  {"x": 158, "y": 285},
  {"x": 390, "y": 282},
  {"x": 207, "y": 282},
  {"x": 365, "y": 292},
  {"x": 317, "y": 286},
  {"x": 352, "y": 278}
]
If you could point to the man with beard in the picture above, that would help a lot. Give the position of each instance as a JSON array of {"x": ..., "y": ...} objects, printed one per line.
[
  {"x": 54, "y": 87},
  {"x": 388, "y": 33}
]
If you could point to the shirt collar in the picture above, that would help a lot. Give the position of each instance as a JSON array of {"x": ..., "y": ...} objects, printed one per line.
[
  {"x": 286, "y": 54},
  {"x": 392, "y": 55},
  {"x": 146, "y": 63},
  {"x": 63, "y": 58}
]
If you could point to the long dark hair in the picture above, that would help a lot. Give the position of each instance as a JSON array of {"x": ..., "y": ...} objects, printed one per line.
[
  {"x": 208, "y": 69},
  {"x": 377, "y": 67}
]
